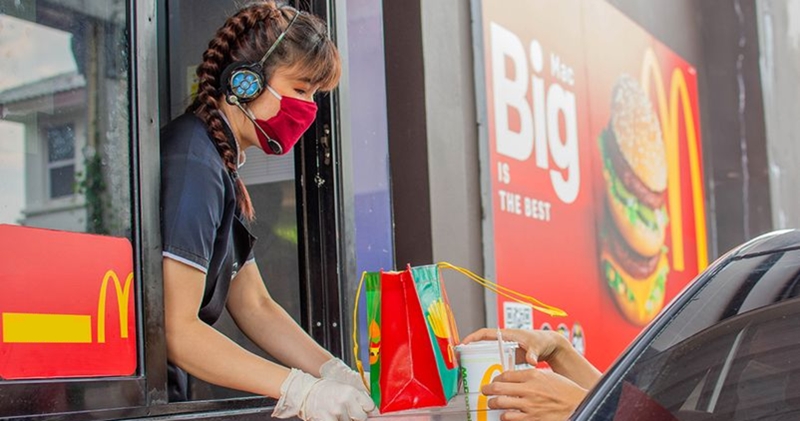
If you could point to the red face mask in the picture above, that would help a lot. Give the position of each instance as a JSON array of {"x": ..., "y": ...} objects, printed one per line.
[{"x": 280, "y": 133}]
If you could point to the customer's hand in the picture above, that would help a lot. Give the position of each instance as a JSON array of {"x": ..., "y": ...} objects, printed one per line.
[
  {"x": 336, "y": 369},
  {"x": 535, "y": 346},
  {"x": 534, "y": 394},
  {"x": 310, "y": 398}
]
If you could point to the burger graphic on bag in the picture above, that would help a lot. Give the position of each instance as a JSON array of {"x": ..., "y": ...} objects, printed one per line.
[{"x": 633, "y": 256}]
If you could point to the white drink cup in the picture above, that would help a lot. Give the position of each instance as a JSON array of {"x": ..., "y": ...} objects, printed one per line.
[{"x": 480, "y": 363}]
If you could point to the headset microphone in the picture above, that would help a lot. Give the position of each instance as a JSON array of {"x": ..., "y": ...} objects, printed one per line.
[{"x": 273, "y": 144}]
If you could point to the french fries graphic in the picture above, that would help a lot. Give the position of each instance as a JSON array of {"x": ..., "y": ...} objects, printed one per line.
[{"x": 439, "y": 319}]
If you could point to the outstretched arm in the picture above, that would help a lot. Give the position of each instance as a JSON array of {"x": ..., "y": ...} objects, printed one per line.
[
  {"x": 546, "y": 346},
  {"x": 207, "y": 354},
  {"x": 267, "y": 324},
  {"x": 203, "y": 351}
]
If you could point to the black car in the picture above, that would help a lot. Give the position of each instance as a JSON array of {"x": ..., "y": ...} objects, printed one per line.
[{"x": 727, "y": 348}]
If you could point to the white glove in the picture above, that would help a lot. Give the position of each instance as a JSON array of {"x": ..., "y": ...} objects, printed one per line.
[
  {"x": 336, "y": 369},
  {"x": 313, "y": 399}
]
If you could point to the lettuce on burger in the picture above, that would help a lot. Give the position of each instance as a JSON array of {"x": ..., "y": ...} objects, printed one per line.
[{"x": 633, "y": 254}]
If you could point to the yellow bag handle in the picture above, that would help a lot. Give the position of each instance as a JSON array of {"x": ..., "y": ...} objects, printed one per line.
[
  {"x": 507, "y": 292},
  {"x": 359, "y": 365},
  {"x": 491, "y": 286}
]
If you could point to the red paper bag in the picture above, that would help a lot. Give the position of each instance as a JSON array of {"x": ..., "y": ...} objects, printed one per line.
[{"x": 409, "y": 375}]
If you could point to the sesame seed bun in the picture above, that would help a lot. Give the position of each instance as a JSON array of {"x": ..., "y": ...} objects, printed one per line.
[
  {"x": 633, "y": 257},
  {"x": 638, "y": 133}
]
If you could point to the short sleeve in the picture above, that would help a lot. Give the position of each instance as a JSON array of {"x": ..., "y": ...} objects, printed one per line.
[{"x": 192, "y": 199}]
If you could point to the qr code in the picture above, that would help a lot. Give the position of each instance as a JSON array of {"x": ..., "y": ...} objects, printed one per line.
[{"x": 517, "y": 316}]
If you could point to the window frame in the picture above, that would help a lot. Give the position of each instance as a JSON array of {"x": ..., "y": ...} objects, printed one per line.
[
  {"x": 61, "y": 163},
  {"x": 44, "y": 201},
  {"x": 113, "y": 397},
  {"x": 318, "y": 184},
  {"x": 319, "y": 251},
  {"x": 145, "y": 393}
]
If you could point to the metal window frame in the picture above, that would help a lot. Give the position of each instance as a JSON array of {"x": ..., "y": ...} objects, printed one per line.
[
  {"x": 319, "y": 216},
  {"x": 66, "y": 398},
  {"x": 319, "y": 225},
  {"x": 321, "y": 251}
]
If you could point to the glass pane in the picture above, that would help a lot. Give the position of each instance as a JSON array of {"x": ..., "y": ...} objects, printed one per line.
[
  {"x": 370, "y": 140},
  {"x": 65, "y": 166},
  {"x": 62, "y": 181},
  {"x": 64, "y": 96},
  {"x": 270, "y": 179},
  {"x": 60, "y": 143}
]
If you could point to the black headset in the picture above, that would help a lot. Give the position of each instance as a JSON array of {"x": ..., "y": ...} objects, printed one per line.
[{"x": 244, "y": 82}]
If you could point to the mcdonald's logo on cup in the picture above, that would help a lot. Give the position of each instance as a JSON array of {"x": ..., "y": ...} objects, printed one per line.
[{"x": 67, "y": 305}]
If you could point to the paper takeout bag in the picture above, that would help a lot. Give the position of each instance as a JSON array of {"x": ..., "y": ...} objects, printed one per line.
[{"x": 412, "y": 335}]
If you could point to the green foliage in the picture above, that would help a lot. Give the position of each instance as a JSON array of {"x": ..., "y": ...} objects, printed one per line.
[{"x": 93, "y": 186}]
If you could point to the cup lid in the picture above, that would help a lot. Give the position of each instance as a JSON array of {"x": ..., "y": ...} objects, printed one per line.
[{"x": 485, "y": 346}]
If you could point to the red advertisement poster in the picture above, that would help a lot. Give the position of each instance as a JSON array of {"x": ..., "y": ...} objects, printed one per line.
[
  {"x": 595, "y": 164},
  {"x": 66, "y": 305}
]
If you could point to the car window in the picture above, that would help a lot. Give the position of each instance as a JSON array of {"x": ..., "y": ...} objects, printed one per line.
[{"x": 732, "y": 353}]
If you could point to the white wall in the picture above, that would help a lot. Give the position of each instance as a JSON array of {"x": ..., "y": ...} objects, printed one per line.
[{"x": 779, "y": 37}]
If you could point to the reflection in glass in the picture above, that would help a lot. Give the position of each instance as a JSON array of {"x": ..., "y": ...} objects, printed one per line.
[
  {"x": 61, "y": 153},
  {"x": 64, "y": 116},
  {"x": 12, "y": 156},
  {"x": 61, "y": 143},
  {"x": 370, "y": 145}
]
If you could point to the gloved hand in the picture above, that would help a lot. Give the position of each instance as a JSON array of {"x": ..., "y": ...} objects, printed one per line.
[
  {"x": 313, "y": 399},
  {"x": 336, "y": 369}
]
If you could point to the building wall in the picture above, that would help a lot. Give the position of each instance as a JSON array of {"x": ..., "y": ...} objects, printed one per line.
[
  {"x": 433, "y": 129},
  {"x": 64, "y": 213},
  {"x": 433, "y": 144},
  {"x": 453, "y": 151},
  {"x": 779, "y": 40}
]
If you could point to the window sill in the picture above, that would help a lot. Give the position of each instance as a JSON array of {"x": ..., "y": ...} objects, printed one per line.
[{"x": 57, "y": 205}]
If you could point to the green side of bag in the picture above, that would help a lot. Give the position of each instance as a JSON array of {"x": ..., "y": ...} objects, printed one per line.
[
  {"x": 373, "y": 280},
  {"x": 429, "y": 290}
]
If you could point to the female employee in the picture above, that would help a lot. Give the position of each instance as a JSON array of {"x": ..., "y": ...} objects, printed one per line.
[
  {"x": 539, "y": 394},
  {"x": 256, "y": 86}
]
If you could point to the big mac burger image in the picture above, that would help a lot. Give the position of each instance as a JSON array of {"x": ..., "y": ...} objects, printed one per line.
[{"x": 633, "y": 257}]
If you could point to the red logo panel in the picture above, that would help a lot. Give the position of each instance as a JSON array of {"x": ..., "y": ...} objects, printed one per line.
[
  {"x": 66, "y": 305},
  {"x": 595, "y": 167}
]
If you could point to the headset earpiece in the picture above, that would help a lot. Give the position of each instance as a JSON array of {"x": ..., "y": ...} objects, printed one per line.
[{"x": 244, "y": 82}]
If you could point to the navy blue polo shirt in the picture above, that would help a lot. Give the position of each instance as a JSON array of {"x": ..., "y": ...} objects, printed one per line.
[{"x": 200, "y": 223}]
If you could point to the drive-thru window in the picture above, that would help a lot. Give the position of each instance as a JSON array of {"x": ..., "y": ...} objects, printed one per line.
[{"x": 85, "y": 88}]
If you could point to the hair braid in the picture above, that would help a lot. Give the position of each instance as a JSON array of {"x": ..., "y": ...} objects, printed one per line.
[{"x": 206, "y": 105}]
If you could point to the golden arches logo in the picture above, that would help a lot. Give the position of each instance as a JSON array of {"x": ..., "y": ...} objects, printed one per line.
[
  {"x": 483, "y": 400},
  {"x": 69, "y": 328},
  {"x": 670, "y": 125},
  {"x": 123, "y": 294}
]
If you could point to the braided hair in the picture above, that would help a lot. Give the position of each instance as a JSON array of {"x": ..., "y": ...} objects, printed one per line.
[{"x": 245, "y": 37}]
